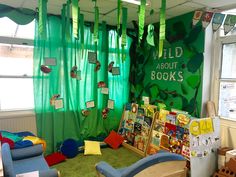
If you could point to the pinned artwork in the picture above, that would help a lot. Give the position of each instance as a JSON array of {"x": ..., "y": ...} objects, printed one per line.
[
  {"x": 206, "y": 19},
  {"x": 101, "y": 84},
  {"x": 90, "y": 104},
  {"x": 92, "y": 57},
  {"x": 217, "y": 21},
  {"x": 45, "y": 69},
  {"x": 50, "y": 61},
  {"x": 59, "y": 104},
  {"x": 105, "y": 91},
  {"x": 110, "y": 66},
  {"x": 197, "y": 16},
  {"x": 115, "y": 71},
  {"x": 110, "y": 104},
  {"x": 53, "y": 98},
  {"x": 229, "y": 23},
  {"x": 98, "y": 66}
]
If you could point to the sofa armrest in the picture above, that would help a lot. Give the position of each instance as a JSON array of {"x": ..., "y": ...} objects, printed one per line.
[
  {"x": 27, "y": 152},
  {"x": 49, "y": 173},
  {"x": 107, "y": 170}
]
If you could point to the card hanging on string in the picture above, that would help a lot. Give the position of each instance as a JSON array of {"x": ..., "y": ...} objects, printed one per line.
[
  {"x": 217, "y": 21},
  {"x": 90, "y": 104},
  {"x": 115, "y": 71},
  {"x": 110, "y": 104},
  {"x": 92, "y": 57},
  {"x": 105, "y": 91},
  {"x": 58, "y": 104},
  {"x": 229, "y": 23},
  {"x": 197, "y": 16},
  {"x": 50, "y": 61},
  {"x": 206, "y": 19}
]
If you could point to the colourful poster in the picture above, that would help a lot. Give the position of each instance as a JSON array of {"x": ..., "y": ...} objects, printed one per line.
[{"x": 217, "y": 21}]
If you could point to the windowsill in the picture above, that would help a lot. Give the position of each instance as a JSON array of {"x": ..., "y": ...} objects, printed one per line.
[
  {"x": 228, "y": 119},
  {"x": 16, "y": 113}
]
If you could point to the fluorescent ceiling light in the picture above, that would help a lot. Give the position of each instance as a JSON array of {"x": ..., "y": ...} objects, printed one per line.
[{"x": 137, "y": 2}]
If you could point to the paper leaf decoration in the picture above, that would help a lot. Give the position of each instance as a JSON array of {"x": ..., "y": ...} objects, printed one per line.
[
  {"x": 162, "y": 27},
  {"x": 96, "y": 21},
  {"x": 141, "y": 19},
  {"x": 75, "y": 17},
  {"x": 42, "y": 18}
]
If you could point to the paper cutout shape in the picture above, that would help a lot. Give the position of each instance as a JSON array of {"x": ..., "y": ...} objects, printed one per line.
[
  {"x": 206, "y": 126},
  {"x": 73, "y": 72},
  {"x": 50, "y": 61},
  {"x": 194, "y": 128},
  {"x": 206, "y": 19},
  {"x": 90, "y": 104},
  {"x": 98, "y": 66},
  {"x": 150, "y": 35},
  {"x": 45, "y": 69},
  {"x": 197, "y": 16},
  {"x": 101, "y": 84},
  {"x": 105, "y": 112},
  {"x": 229, "y": 23},
  {"x": 115, "y": 71},
  {"x": 59, "y": 104},
  {"x": 105, "y": 91},
  {"x": 217, "y": 21},
  {"x": 110, "y": 104},
  {"x": 110, "y": 66},
  {"x": 53, "y": 98},
  {"x": 92, "y": 57},
  {"x": 85, "y": 112}
]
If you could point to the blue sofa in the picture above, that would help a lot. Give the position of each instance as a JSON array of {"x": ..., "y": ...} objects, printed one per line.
[
  {"x": 163, "y": 164},
  {"x": 24, "y": 160}
]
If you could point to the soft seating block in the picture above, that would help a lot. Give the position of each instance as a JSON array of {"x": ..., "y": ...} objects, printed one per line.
[
  {"x": 14, "y": 162},
  {"x": 55, "y": 158},
  {"x": 92, "y": 148},
  {"x": 114, "y": 140},
  {"x": 69, "y": 148}
]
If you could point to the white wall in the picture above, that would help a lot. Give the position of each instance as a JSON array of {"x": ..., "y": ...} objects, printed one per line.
[{"x": 18, "y": 121}]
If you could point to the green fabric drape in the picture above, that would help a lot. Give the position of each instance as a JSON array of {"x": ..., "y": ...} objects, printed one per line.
[
  {"x": 57, "y": 125},
  {"x": 20, "y": 16}
]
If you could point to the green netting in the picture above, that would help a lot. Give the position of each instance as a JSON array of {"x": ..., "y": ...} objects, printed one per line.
[
  {"x": 20, "y": 16},
  {"x": 55, "y": 125}
]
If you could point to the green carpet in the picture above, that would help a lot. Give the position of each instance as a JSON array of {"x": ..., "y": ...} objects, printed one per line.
[{"x": 84, "y": 166}]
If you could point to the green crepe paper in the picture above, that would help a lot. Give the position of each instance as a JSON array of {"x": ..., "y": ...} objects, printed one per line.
[
  {"x": 21, "y": 16},
  {"x": 124, "y": 27},
  {"x": 68, "y": 20},
  {"x": 141, "y": 19},
  {"x": 162, "y": 27},
  {"x": 96, "y": 20},
  {"x": 82, "y": 32},
  {"x": 75, "y": 17},
  {"x": 119, "y": 7},
  {"x": 42, "y": 18}
]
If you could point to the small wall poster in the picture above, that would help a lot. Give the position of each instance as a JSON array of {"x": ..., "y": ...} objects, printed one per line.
[
  {"x": 110, "y": 104},
  {"x": 92, "y": 57},
  {"x": 50, "y": 61},
  {"x": 90, "y": 104},
  {"x": 105, "y": 91},
  {"x": 116, "y": 71},
  {"x": 58, "y": 104}
]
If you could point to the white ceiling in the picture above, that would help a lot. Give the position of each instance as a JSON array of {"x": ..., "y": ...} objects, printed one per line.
[{"x": 108, "y": 10}]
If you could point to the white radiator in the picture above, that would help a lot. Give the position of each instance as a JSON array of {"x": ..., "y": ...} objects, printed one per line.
[
  {"x": 228, "y": 133},
  {"x": 18, "y": 121}
]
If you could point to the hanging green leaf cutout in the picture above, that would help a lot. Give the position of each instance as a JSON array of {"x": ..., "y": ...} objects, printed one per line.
[
  {"x": 162, "y": 27},
  {"x": 42, "y": 18},
  {"x": 141, "y": 19},
  {"x": 75, "y": 17},
  {"x": 124, "y": 27},
  {"x": 96, "y": 20}
]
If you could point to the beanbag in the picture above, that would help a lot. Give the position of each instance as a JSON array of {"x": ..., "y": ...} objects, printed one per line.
[{"x": 69, "y": 148}]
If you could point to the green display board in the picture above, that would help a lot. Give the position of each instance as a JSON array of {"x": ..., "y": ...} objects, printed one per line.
[{"x": 176, "y": 78}]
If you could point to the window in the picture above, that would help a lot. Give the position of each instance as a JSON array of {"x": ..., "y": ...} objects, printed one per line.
[
  {"x": 227, "y": 94},
  {"x": 16, "y": 66}
]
